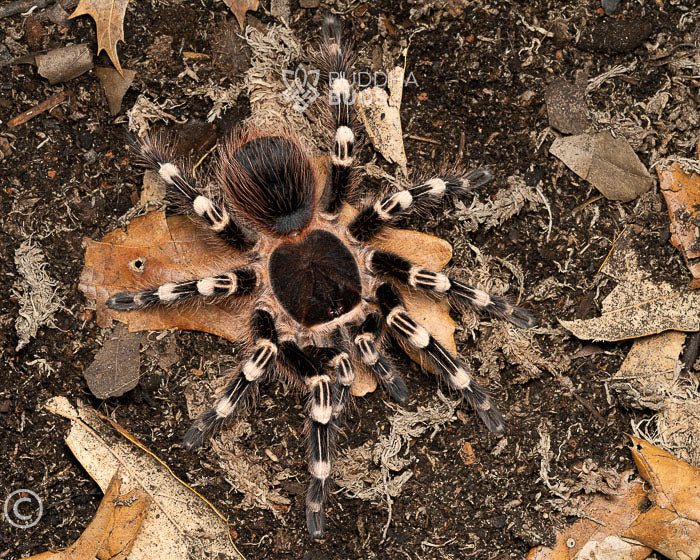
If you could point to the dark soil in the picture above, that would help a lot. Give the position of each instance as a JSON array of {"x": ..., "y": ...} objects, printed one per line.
[{"x": 475, "y": 87}]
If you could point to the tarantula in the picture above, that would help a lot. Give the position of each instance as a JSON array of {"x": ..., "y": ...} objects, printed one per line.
[{"x": 320, "y": 297}]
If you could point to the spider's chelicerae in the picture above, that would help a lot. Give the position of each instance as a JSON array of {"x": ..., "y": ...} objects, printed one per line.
[{"x": 319, "y": 296}]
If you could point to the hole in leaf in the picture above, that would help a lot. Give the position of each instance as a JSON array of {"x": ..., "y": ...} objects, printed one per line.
[{"x": 138, "y": 265}]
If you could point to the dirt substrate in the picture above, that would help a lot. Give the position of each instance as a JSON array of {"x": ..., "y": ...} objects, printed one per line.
[{"x": 482, "y": 69}]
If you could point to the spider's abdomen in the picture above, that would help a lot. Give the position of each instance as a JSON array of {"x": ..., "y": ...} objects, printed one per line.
[
  {"x": 270, "y": 180},
  {"x": 315, "y": 279}
]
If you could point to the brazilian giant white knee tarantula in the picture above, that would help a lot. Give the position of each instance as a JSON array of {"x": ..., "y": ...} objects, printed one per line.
[{"x": 320, "y": 296}]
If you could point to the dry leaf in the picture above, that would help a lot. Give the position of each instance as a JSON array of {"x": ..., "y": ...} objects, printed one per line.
[
  {"x": 682, "y": 193},
  {"x": 115, "y": 85},
  {"x": 597, "y": 536},
  {"x": 621, "y": 527},
  {"x": 112, "y": 532},
  {"x": 109, "y": 18},
  {"x": 240, "y": 7},
  {"x": 638, "y": 308},
  {"x": 608, "y": 163},
  {"x": 179, "y": 524},
  {"x": 115, "y": 369},
  {"x": 566, "y": 105},
  {"x": 66, "y": 63},
  {"x": 155, "y": 250},
  {"x": 650, "y": 371},
  {"x": 380, "y": 113},
  {"x": 672, "y": 526}
]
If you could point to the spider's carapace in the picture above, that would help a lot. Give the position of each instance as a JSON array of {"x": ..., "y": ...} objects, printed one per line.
[{"x": 315, "y": 279}]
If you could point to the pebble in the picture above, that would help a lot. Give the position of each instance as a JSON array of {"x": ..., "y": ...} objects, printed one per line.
[
  {"x": 4, "y": 406},
  {"x": 610, "y": 6}
]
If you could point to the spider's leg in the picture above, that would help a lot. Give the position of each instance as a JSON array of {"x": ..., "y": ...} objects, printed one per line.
[
  {"x": 455, "y": 372},
  {"x": 322, "y": 429},
  {"x": 336, "y": 63},
  {"x": 459, "y": 293},
  {"x": 237, "y": 282},
  {"x": 239, "y": 391},
  {"x": 214, "y": 215},
  {"x": 372, "y": 218},
  {"x": 365, "y": 343}
]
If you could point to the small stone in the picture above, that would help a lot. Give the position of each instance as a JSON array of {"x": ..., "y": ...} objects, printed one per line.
[
  {"x": 309, "y": 4},
  {"x": 610, "y": 6},
  {"x": 4, "y": 406}
]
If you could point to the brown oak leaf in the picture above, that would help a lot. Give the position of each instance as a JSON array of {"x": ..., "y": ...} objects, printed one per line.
[
  {"x": 155, "y": 249},
  {"x": 240, "y": 7},
  {"x": 109, "y": 17}
]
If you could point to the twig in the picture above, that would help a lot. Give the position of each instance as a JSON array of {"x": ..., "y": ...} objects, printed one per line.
[
  {"x": 46, "y": 105},
  {"x": 423, "y": 139},
  {"x": 21, "y": 6},
  {"x": 549, "y": 211}
]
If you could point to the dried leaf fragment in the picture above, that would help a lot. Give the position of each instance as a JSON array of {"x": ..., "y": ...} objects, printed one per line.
[
  {"x": 650, "y": 371},
  {"x": 638, "y": 308},
  {"x": 109, "y": 18},
  {"x": 681, "y": 191},
  {"x": 608, "y": 163},
  {"x": 115, "y": 85},
  {"x": 566, "y": 105},
  {"x": 672, "y": 526},
  {"x": 179, "y": 524},
  {"x": 115, "y": 369},
  {"x": 620, "y": 528},
  {"x": 380, "y": 113},
  {"x": 112, "y": 532},
  {"x": 66, "y": 63},
  {"x": 596, "y": 537},
  {"x": 240, "y": 7}
]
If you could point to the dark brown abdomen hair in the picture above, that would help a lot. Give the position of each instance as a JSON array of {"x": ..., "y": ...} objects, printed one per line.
[{"x": 269, "y": 180}]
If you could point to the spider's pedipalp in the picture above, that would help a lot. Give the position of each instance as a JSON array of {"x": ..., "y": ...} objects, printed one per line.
[
  {"x": 336, "y": 64},
  {"x": 372, "y": 218},
  {"x": 455, "y": 372},
  {"x": 460, "y": 294},
  {"x": 239, "y": 391},
  {"x": 379, "y": 365},
  {"x": 238, "y": 282},
  {"x": 215, "y": 216}
]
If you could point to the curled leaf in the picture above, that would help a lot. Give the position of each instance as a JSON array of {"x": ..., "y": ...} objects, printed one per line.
[{"x": 682, "y": 193}]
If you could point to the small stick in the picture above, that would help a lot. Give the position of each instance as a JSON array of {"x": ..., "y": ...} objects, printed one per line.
[
  {"x": 21, "y": 6},
  {"x": 462, "y": 144},
  {"x": 46, "y": 105},
  {"x": 423, "y": 139}
]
